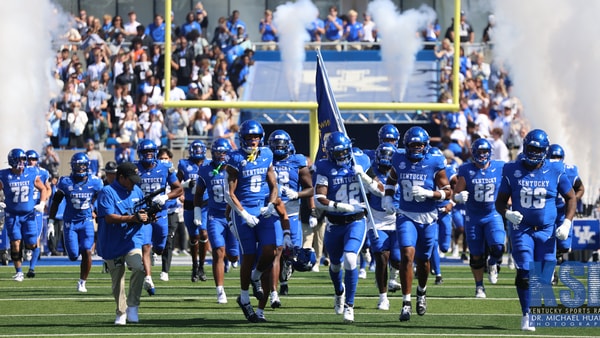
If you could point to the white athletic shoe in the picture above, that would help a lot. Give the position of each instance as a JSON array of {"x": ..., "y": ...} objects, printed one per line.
[
  {"x": 493, "y": 273},
  {"x": 19, "y": 277},
  {"x": 525, "y": 324},
  {"x": 121, "y": 319},
  {"x": 348, "y": 314},
  {"x": 480, "y": 292},
  {"x": 81, "y": 286},
  {"x": 338, "y": 304},
  {"x": 164, "y": 276},
  {"x": 511, "y": 262},
  {"x": 394, "y": 285},
  {"x": 455, "y": 252},
  {"x": 362, "y": 274},
  {"x": 384, "y": 304},
  {"x": 315, "y": 267},
  {"x": 132, "y": 314},
  {"x": 221, "y": 297}
]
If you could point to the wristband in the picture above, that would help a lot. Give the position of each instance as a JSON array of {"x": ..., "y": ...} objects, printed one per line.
[{"x": 442, "y": 194}]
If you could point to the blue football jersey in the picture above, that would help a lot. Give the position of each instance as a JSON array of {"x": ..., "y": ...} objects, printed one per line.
[
  {"x": 420, "y": 173},
  {"x": 44, "y": 177},
  {"x": 79, "y": 196},
  {"x": 19, "y": 190},
  {"x": 189, "y": 169},
  {"x": 213, "y": 182},
  {"x": 451, "y": 170},
  {"x": 533, "y": 192},
  {"x": 252, "y": 187},
  {"x": 573, "y": 174},
  {"x": 482, "y": 185},
  {"x": 157, "y": 177},
  {"x": 287, "y": 175},
  {"x": 341, "y": 181}
]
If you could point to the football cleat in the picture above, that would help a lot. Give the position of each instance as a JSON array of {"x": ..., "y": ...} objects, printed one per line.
[
  {"x": 260, "y": 316},
  {"x": 195, "y": 276},
  {"x": 383, "y": 304},
  {"x": 338, "y": 304},
  {"x": 257, "y": 290},
  {"x": 421, "y": 303},
  {"x": 149, "y": 286},
  {"x": 348, "y": 314},
  {"x": 394, "y": 285},
  {"x": 19, "y": 277},
  {"x": 284, "y": 290},
  {"x": 164, "y": 276},
  {"x": 132, "y": 314},
  {"x": 154, "y": 259},
  {"x": 81, "y": 286},
  {"x": 439, "y": 280},
  {"x": 201, "y": 274},
  {"x": 275, "y": 302},
  {"x": 248, "y": 310},
  {"x": 493, "y": 273},
  {"x": 525, "y": 324},
  {"x": 4, "y": 257},
  {"x": 511, "y": 262},
  {"x": 405, "y": 312},
  {"x": 28, "y": 255},
  {"x": 362, "y": 274},
  {"x": 221, "y": 297},
  {"x": 480, "y": 292},
  {"x": 30, "y": 274}
]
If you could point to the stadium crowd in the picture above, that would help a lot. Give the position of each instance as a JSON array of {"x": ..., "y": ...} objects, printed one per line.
[{"x": 259, "y": 200}]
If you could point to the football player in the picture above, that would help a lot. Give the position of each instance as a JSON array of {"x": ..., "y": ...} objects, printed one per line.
[
  {"x": 533, "y": 183},
  {"x": 155, "y": 175},
  {"x": 79, "y": 190},
  {"x": 420, "y": 175},
  {"x": 21, "y": 208}
]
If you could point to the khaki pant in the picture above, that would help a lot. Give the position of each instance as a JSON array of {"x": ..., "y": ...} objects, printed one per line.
[
  {"x": 313, "y": 238},
  {"x": 116, "y": 268}
]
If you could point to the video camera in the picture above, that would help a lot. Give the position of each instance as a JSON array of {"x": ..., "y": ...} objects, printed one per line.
[{"x": 146, "y": 204}]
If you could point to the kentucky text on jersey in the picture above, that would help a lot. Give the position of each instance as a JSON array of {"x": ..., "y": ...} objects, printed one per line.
[
  {"x": 525, "y": 183},
  {"x": 484, "y": 180},
  {"x": 18, "y": 183},
  {"x": 412, "y": 176},
  {"x": 342, "y": 180},
  {"x": 83, "y": 195},
  {"x": 256, "y": 171},
  {"x": 152, "y": 179}
]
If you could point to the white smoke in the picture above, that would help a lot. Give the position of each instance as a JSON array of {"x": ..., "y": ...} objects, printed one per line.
[
  {"x": 291, "y": 20},
  {"x": 400, "y": 40},
  {"x": 27, "y": 58},
  {"x": 553, "y": 60}
]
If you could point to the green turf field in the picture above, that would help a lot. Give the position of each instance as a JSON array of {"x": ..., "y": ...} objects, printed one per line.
[{"x": 49, "y": 305}]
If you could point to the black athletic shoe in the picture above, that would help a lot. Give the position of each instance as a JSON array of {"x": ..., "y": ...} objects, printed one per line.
[
  {"x": 195, "y": 274},
  {"x": 248, "y": 311},
  {"x": 257, "y": 290},
  {"x": 283, "y": 290},
  {"x": 201, "y": 274},
  {"x": 439, "y": 280},
  {"x": 30, "y": 274},
  {"x": 421, "y": 303}
]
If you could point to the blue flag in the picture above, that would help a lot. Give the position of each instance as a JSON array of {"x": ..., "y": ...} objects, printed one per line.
[{"x": 328, "y": 114}]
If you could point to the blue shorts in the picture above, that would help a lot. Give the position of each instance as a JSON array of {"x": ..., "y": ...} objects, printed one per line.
[
  {"x": 533, "y": 246},
  {"x": 484, "y": 230},
  {"x": 22, "y": 227},
  {"x": 444, "y": 237},
  {"x": 78, "y": 237},
  {"x": 387, "y": 241},
  {"x": 344, "y": 238},
  {"x": 296, "y": 231},
  {"x": 219, "y": 234},
  {"x": 267, "y": 232},
  {"x": 417, "y": 235},
  {"x": 188, "y": 220},
  {"x": 156, "y": 233},
  {"x": 458, "y": 218}
]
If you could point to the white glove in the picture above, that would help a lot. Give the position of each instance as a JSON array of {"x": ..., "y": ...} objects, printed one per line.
[
  {"x": 514, "y": 217},
  {"x": 562, "y": 232},
  {"x": 387, "y": 203},
  {"x": 359, "y": 171},
  {"x": 2, "y": 205},
  {"x": 345, "y": 207},
  {"x": 252, "y": 221},
  {"x": 461, "y": 197},
  {"x": 287, "y": 240},
  {"x": 421, "y": 193},
  {"x": 50, "y": 231},
  {"x": 160, "y": 199},
  {"x": 190, "y": 183},
  {"x": 40, "y": 207},
  {"x": 197, "y": 216},
  {"x": 312, "y": 221},
  {"x": 291, "y": 194},
  {"x": 268, "y": 211}
]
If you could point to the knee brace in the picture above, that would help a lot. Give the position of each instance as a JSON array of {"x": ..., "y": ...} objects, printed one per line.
[
  {"x": 476, "y": 263},
  {"x": 16, "y": 255},
  {"x": 522, "y": 279},
  {"x": 335, "y": 267},
  {"x": 496, "y": 251},
  {"x": 193, "y": 242},
  {"x": 350, "y": 259}
]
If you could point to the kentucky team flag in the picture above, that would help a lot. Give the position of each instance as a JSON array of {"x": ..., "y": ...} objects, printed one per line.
[{"x": 328, "y": 113}]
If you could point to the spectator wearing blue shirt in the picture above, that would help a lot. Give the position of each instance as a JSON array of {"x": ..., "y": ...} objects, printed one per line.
[
  {"x": 234, "y": 22},
  {"x": 268, "y": 31},
  {"x": 316, "y": 30},
  {"x": 156, "y": 30},
  {"x": 334, "y": 27},
  {"x": 190, "y": 25},
  {"x": 353, "y": 31}
]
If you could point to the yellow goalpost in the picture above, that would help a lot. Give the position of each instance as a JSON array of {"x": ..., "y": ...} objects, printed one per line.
[{"x": 312, "y": 105}]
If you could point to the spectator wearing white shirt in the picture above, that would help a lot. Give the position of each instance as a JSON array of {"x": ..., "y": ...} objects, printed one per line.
[
  {"x": 131, "y": 26},
  {"x": 499, "y": 148}
]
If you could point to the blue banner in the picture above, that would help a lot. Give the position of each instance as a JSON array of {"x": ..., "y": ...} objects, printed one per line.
[
  {"x": 328, "y": 113},
  {"x": 586, "y": 234}
]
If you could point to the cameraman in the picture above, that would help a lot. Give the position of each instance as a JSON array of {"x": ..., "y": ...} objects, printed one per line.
[{"x": 120, "y": 239}]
